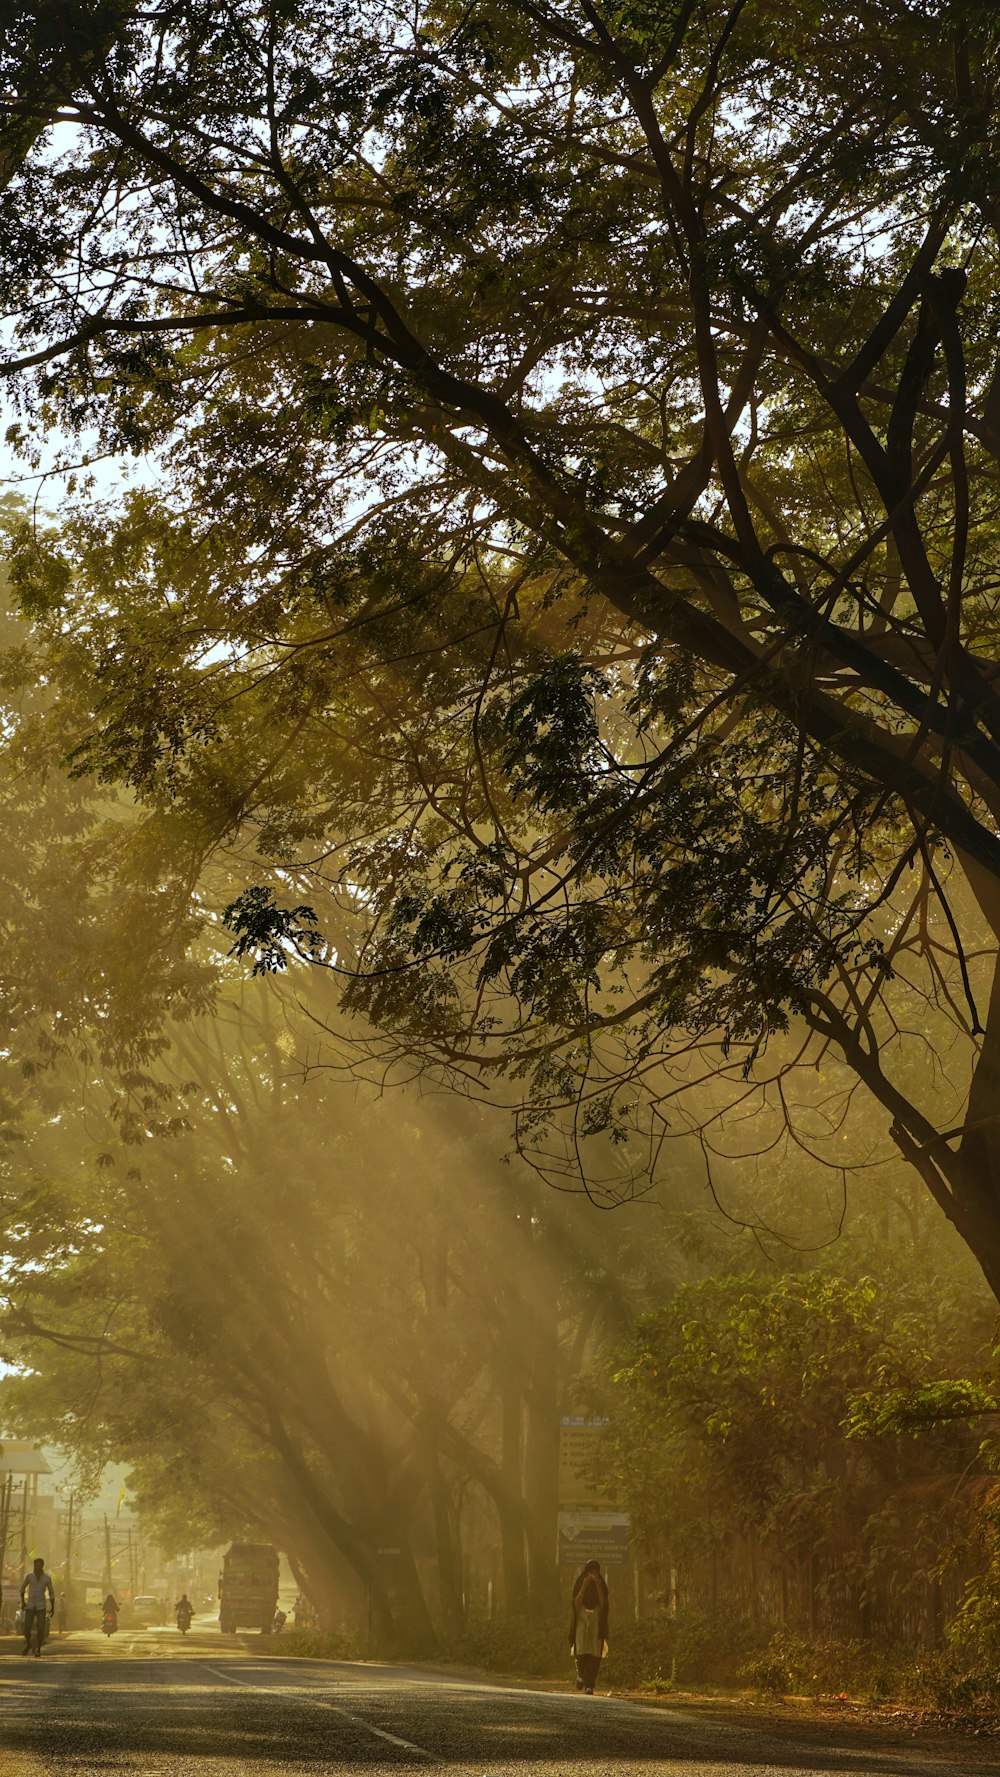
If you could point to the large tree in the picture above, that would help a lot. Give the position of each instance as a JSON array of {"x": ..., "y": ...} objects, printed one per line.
[
  {"x": 568, "y": 539},
  {"x": 333, "y": 1321}
]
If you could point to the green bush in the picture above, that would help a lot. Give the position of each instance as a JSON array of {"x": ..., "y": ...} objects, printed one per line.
[
  {"x": 695, "y": 1647},
  {"x": 315, "y": 1644},
  {"x": 530, "y": 1647},
  {"x": 791, "y": 1663},
  {"x": 946, "y": 1678},
  {"x": 767, "y": 1673}
]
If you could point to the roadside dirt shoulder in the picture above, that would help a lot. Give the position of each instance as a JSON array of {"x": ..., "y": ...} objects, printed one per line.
[{"x": 960, "y": 1735}]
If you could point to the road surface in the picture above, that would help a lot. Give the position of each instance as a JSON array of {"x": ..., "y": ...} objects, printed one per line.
[{"x": 148, "y": 1704}]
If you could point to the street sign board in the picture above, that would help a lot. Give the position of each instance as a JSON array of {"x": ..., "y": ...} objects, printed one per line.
[
  {"x": 585, "y": 1536},
  {"x": 579, "y": 1439}
]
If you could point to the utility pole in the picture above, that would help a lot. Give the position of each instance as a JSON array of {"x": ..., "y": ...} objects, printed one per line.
[
  {"x": 5, "y": 1498},
  {"x": 68, "y": 1605},
  {"x": 107, "y": 1555},
  {"x": 131, "y": 1563},
  {"x": 24, "y": 1526}
]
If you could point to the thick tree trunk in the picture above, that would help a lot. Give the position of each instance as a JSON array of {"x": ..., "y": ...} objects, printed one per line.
[
  {"x": 509, "y": 1513},
  {"x": 976, "y": 1180},
  {"x": 964, "y": 1181},
  {"x": 358, "y": 1545},
  {"x": 411, "y": 1629},
  {"x": 449, "y": 1554},
  {"x": 322, "y": 1580},
  {"x": 513, "y": 1557},
  {"x": 541, "y": 1450}
]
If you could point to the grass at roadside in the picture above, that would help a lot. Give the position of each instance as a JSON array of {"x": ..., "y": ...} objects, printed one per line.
[{"x": 308, "y": 1644}]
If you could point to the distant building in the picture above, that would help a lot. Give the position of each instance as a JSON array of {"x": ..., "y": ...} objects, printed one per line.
[
  {"x": 23, "y": 1461},
  {"x": 25, "y": 1513}
]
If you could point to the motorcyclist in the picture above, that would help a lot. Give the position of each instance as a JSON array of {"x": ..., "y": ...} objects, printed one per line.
[
  {"x": 184, "y": 1611},
  {"x": 110, "y": 1609}
]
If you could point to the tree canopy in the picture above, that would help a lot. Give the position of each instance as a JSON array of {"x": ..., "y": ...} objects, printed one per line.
[{"x": 563, "y": 573}]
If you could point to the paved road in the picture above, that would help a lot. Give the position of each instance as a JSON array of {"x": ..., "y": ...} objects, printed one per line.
[{"x": 147, "y": 1703}]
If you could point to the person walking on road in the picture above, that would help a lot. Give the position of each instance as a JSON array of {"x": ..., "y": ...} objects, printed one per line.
[
  {"x": 588, "y": 1629},
  {"x": 36, "y": 1589}
]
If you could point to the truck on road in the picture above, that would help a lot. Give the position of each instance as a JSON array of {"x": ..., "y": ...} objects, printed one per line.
[{"x": 248, "y": 1588}]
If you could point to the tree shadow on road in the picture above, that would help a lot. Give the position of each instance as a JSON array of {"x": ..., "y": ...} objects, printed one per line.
[{"x": 77, "y": 1717}]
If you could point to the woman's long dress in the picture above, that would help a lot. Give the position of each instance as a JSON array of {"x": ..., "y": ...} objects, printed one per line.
[{"x": 588, "y": 1645}]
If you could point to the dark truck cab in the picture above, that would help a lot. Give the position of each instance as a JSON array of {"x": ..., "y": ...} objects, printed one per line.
[{"x": 248, "y": 1588}]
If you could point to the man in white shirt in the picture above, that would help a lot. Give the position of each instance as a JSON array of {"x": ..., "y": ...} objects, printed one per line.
[{"x": 36, "y": 1587}]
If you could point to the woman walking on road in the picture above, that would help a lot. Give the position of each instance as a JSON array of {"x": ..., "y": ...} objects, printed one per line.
[{"x": 588, "y": 1630}]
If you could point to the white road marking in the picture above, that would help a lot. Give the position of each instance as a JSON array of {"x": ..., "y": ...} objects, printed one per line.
[{"x": 302, "y": 1694}]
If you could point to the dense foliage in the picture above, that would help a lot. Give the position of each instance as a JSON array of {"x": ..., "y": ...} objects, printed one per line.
[
  {"x": 554, "y": 597},
  {"x": 739, "y": 1416},
  {"x": 566, "y": 534}
]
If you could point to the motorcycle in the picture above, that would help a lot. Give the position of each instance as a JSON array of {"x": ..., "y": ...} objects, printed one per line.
[
  {"x": 109, "y": 1622},
  {"x": 279, "y": 1621},
  {"x": 184, "y": 1621}
]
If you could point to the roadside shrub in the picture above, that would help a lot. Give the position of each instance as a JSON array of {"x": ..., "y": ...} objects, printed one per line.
[
  {"x": 695, "y": 1647},
  {"x": 710, "y": 1645},
  {"x": 528, "y": 1647},
  {"x": 314, "y": 1644},
  {"x": 945, "y": 1678},
  {"x": 793, "y": 1664},
  {"x": 767, "y": 1673}
]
